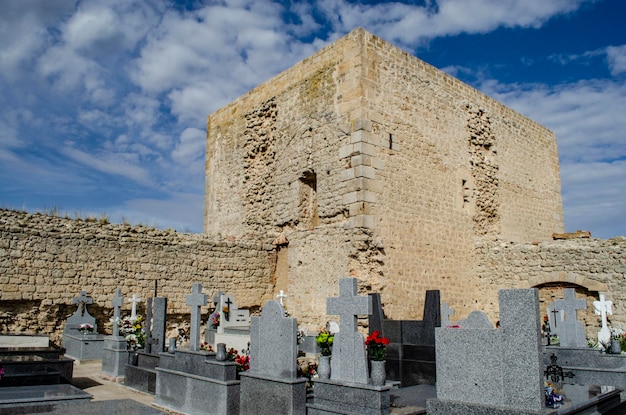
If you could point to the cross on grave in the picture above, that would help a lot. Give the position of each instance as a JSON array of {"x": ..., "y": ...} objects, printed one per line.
[
  {"x": 133, "y": 311},
  {"x": 349, "y": 360},
  {"x": 569, "y": 304},
  {"x": 117, "y": 302},
  {"x": 555, "y": 317},
  {"x": 446, "y": 312},
  {"x": 281, "y": 296},
  {"x": 196, "y": 300},
  {"x": 216, "y": 298},
  {"x": 571, "y": 331},
  {"x": 82, "y": 300},
  {"x": 227, "y": 312},
  {"x": 602, "y": 308}
]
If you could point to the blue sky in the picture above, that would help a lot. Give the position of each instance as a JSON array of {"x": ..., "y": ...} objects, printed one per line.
[{"x": 103, "y": 103}]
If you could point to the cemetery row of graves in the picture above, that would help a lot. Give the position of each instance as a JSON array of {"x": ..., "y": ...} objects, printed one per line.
[{"x": 530, "y": 362}]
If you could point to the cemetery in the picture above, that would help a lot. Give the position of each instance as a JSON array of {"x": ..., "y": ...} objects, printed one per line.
[
  {"x": 488, "y": 309},
  {"x": 437, "y": 365}
]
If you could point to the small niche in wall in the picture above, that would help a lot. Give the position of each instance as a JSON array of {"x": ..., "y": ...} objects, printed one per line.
[
  {"x": 467, "y": 196},
  {"x": 308, "y": 198}
]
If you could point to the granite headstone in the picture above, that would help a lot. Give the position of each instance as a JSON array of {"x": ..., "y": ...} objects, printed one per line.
[
  {"x": 349, "y": 362},
  {"x": 571, "y": 331},
  {"x": 273, "y": 369},
  {"x": 480, "y": 367},
  {"x": 196, "y": 300}
]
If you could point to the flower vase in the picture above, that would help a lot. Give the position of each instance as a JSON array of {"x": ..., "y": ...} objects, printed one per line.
[
  {"x": 323, "y": 367},
  {"x": 378, "y": 374},
  {"x": 616, "y": 346},
  {"x": 221, "y": 352}
]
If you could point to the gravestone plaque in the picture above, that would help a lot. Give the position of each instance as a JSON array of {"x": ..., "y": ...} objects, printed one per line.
[
  {"x": 349, "y": 362},
  {"x": 571, "y": 331}
]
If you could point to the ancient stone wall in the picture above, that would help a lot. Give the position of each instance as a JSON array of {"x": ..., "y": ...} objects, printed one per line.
[
  {"x": 367, "y": 151},
  {"x": 45, "y": 261},
  {"x": 591, "y": 266}
]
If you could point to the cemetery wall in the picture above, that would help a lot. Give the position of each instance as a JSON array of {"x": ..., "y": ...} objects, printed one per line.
[
  {"x": 46, "y": 260},
  {"x": 591, "y": 266}
]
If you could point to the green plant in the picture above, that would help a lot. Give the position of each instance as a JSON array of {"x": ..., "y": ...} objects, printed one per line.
[{"x": 325, "y": 342}]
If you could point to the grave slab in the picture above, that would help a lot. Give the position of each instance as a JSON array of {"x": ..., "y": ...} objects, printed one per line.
[
  {"x": 273, "y": 367},
  {"x": 349, "y": 392},
  {"x": 193, "y": 382},
  {"x": 571, "y": 332},
  {"x": 115, "y": 353},
  {"x": 479, "y": 366}
]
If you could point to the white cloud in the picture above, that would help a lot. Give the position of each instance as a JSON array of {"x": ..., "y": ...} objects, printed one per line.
[
  {"x": 616, "y": 55},
  {"x": 190, "y": 147},
  {"x": 120, "y": 164},
  {"x": 586, "y": 118},
  {"x": 410, "y": 24},
  {"x": 181, "y": 211},
  {"x": 22, "y": 31},
  {"x": 240, "y": 45}
]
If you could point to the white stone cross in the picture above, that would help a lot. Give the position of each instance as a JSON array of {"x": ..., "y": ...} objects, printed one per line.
[
  {"x": 117, "y": 302},
  {"x": 216, "y": 299},
  {"x": 349, "y": 359},
  {"x": 281, "y": 296},
  {"x": 133, "y": 311},
  {"x": 196, "y": 300},
  {"x": 446, "y": 312},
  {"x": 602, "y": 308}
]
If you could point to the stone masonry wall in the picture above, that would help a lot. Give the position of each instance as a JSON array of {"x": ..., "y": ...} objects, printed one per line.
[
  {"x": 45, "y": 261},
  {"x": 368, "y": 152},
  {"x": 591, "y": 266},
  {"x": 439, "y": 166}
]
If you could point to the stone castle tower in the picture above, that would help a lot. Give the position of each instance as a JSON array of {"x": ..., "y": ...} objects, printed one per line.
[{"x": 364, "y": 161}]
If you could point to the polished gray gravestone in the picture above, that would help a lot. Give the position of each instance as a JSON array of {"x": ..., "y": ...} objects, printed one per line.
[
  {"x": 571, "y": 331},
  {"x": 82, "y": 346},
  {"x": 482, "y": 369},
  {"x": 193, "y": 381},
  {"x": 273, "y": 370},
  {"x": 349, "y": 363},
  {"x": 410, "y": 355},
  {"x": 115, "y": 352},
  {"x": 348, "y": 390},
  {"x": 81, "y": 315},
  {"x": 196, "y": 300}
]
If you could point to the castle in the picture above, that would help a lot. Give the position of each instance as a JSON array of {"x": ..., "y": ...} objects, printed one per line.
[
  {"x": 364, "y": 161},
  {"x": 360, "y": 161}
]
